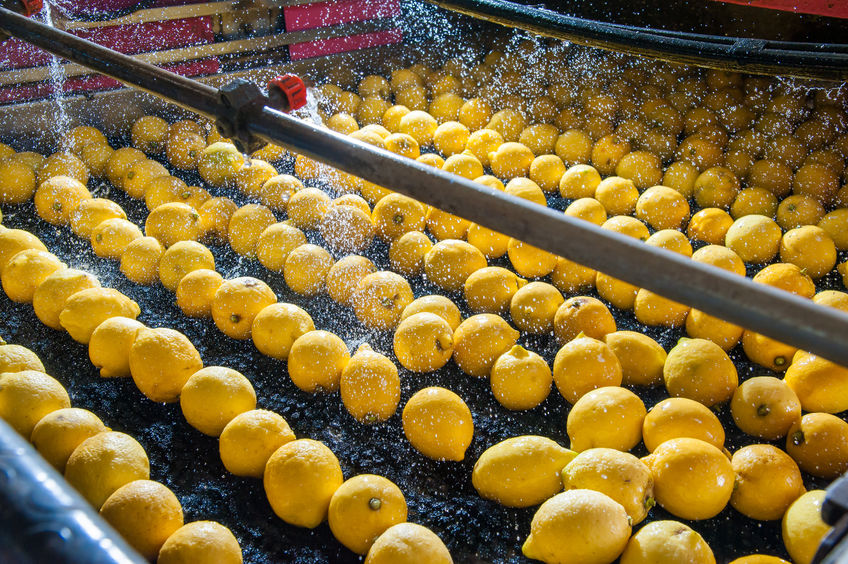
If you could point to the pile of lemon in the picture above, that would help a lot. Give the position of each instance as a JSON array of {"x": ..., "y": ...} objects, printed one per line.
[{"x": 632, "y": 145}]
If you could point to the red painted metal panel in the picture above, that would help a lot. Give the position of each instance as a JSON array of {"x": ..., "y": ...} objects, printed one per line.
[
  {"x": 323, "y": 14},
  {"x": 831, "y": 8},
  {"x": 342, "y": 44}
]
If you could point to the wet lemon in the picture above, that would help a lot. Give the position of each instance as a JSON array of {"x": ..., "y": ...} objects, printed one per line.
[
  {"x": 57, "y": 197},
  {"x": 201, "y": 541},
  {"x": 787, "y": 277},
  {"x": 671, "y": 240},
  {"x": 28, "y": 395},
  {"x": 145, "y": 513},
  {"x": 347, "y": 229},
  {"x": 662, "y": 208},
  {"x": 278, "y": 190},
  {"x": 654, "y": 310},
  {"x": 491, "y": 243},
  {"x": 182, "y": 258},
  {"x": 700, "y": 325},
  {"x": 380, "y": 298},
  {"x": 111, "y": 237},
  {"x": 196, "y": 291},
  {"x": 526, "y": 189},
  {"x": 669, "y": 542},
  {"x": 139, "y": 174},
  {"x": 475, "y": 114},
  {"x": 520, "y": 379},
  {"x": 344, "y": 276},
  {"x": 96, "y": 157},
  {"x": 765, "y": 407},
  {"x": 300, "y": 480},
  {"x": 798, "y": 210},
  {"x": 767, "y": 352},
  {"x": 277, "y": 326},
  {"x": 250, "y": 178},
  {"x": 620, "y": 475},
  {"x": 674, "y": 418},
  {"x": 103, "y": 463},
  {"x": 370, "y": 386},
  {"x": 406, "y": 254},
  {"x": 109, "y": 346},
  {"x": 479, "y": 341},
  {"x": 63, "y": 164},
  {"x": 490, "y": 289},
  {"x": 759, "y": 559},
  {"x": 640, "y": 356},
  {"x": 819, "y": 384},
  {"x": 755, "y": 238},
  {"x": 89, "y": 213},
  {"x": 306, "y": 268},
  {"x": 423, "y": 342},
  {"x": 30, "y": 158},
  {"x": 579, "y": 181},
  {"x": 533, "y": 307},
  {"x": 250, "y": 438},
  {"x": 140, "y": 260},
  {"x": 396, "y": 215},
  {"x": 213, "y": 396},
  {"x": 693, "y": 479},
  {"x": 584, "y": 364},
  {"x": 709, "y": 225},
  {"x": 50, "y": 296},
  {"x": 215, "y": 214},
  {"x": 14, "y": 358},
  {"x": 161, "y": 362},
  {"x": 835, "y": 224},
  {"x": 437, "y": 304},
  {"x": 164, "y": 189},
  {"x": 60, "y": 432},
  {"x": 236, "y": 304},
  {"x": 754, "y": 200},
  {"x": 720, "y": 256},
  {"x": 509, "y": 123},
  {"x": 521, "y": 471},
  {"x": 511, "y": 160},
  {"x": 582, "y": 314},
  {"x": 438, "y": 424},
  {"x": 617, "y": 195},
  {"x": 832, "y": 298},
  {"x": 578, "y": 526},
  {"x": 547, "y": 171},
  {"x": 183, "y": 148},
  {"x": 767, "y": 482},
  {"x": 450, "y": 138},
  {"x": 530, "y": 261},
  {"x": 809, "y": 248},
  {"x": 246, "y": 225},
  {"x": 818, "y": 442},
  {"x": 420, "y": 125},
  {"x": 17, "y": 182},
  {"x": 316, "y": 361},
  {"x": 276, "y": 242},
  {"x": 118, "y": 163},
  {"x": 700, "y": 370},
  {"x": 587, "y": 209},
  {"x": 148, "y": 134},
  {"x": 570, "y": 277},
  {"x": 86, "y": 309},
  {"x": 608, "y": 417},
  {"x": 803, "y": 528},
  {"x": 408, "y": 543},
  {"x": 362, "y": 508},
  {"x": 173, "y": 222}
]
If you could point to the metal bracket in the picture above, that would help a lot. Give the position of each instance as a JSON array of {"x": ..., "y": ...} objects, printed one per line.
[{"x": 237, "y": 100}]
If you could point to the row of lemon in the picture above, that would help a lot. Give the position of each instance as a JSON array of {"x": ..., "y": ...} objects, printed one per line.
[
  {"x": 302, "y": 477},
  {"x": 110, "y": 469}
]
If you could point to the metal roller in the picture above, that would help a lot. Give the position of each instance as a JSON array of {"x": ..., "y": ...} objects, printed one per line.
[{"x": 242, "y": 110}]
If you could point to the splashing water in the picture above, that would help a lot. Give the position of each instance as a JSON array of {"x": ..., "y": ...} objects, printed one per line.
[
  {"x": 57, "y": 82},
  {"x": 310, "y": 110}
]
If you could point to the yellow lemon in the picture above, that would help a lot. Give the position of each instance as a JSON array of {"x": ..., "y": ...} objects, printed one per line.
[
  {"x": 17, "y": 182},
  {"x": 490, "y": 289},
  {"x": 440, "y": 305},
  {"x": 300, "y": 480},
  {"x": 215, "y": 214},
  {"x": 201, "y": 541},
  {"x": 803, "y": 528},
  {"x": 759, "y": 559},
  {"x": 236, "y": 304},
  {"x": 362, "y": 508},
  {"x": 119, "y": 162},
  {"x": 380, "y": 298},
  {"x": 669, "y": 542},
  {"x": 619, "y": 197},
  {"x": 765, "y": 407},
  {"x": 584, "y": 364},
  {"x": 673, "y": 418},
  {"x": 396, "y": 214},
  {"x": 26, "y": 271},
  {"x": 148, "y": 134},
  {"x": 408, "y": 543},
  {"x": 767, "y": 482},
  {"x": 608, "y": 417},
  {"x": 700, "y": 370},
  {"x": 246, "y": 225},
  {"x": 13, "y": 241},
  {"x": 570, "y": 277},
  {"x": 345, "y": 275},
  {"x": 277, "y": 326},
  {"x": 530, "y": 261},
  {"x": 278, "y": 190},
  {"x": 722, "y": 257},
  {"x": 103, "y": 463},
  {"x": 173, "y": 222},
  {"x": 63, "y": 164},
  {"x": 145, "y": 513},
  {"x": 444, "y": 226},
  {"x": 250, "y": 438},
  {"x": 276, "y": 242},
  {"x": 111, "y": 237},
  {"x": 438, "y": 424},
  {"x": 819, "y": 384},
  {"x": 196, "y": 291},
  {"x": 140, "y": 260},
  {"x": 50, "y": 296},
  {"x": 28, "y": 395},
  {"x": 479, "y": 341},
  {"x": 755, "y": 238},
  {"x": 86, "y": 309},
  {"x": 640, "y": 356},
  {"x": 700, "y": 325},
  {"x": 370, "y": 386},
  {"x": 522, "y": 471},
  {"x": 89, "y": 213},
  {"x": 250, "y": 178},
  {"x": 183, "y": 148},
  {"x": 654, "y": 310},
  {"x": 139, "y": 174},
  {"x": 305, "y": 269},
  {"x": 14, "y": 358},
  {"x": 767, "y": 352},
  {"x": 423, "y": 342},
  {"x": 818, "y": 442},
  {"x": 582, "y": 314},
  {"x": 109, "y": 346},
  {"x": 60, "y": 432},
  {"x": 671, "y": 240},
  {"x": 161, "y": 362},
  {"x": 407, "y": 252},
  {"x": 213, "y": 396},
  {"x": 347, "y": 229},
  {"x": 520, "y": 379},
  {"x": 316, "y": 361},
  {"x": 578, "y": 526},
  {"x": 579, "y": 181},
  {"x": 534, "y": 306},
  {"x": 182, "y": 258},
  {"x": 693, "y": 479}
]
